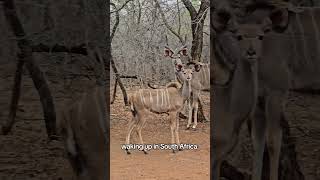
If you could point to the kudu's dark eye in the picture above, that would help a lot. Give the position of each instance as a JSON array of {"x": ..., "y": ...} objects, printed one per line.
[
  {"x": 260, "y": 37},
  {"x": 239, "y": 37}
]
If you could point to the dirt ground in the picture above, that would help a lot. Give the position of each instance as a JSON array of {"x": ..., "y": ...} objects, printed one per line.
[{"x": 158, "y": 164}]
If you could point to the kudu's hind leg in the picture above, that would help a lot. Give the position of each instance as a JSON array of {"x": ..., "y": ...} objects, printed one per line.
[
  {"x": 274, "y": 112},
  {"x": 258, "y": 140},
  {"x": 139, "y": 129},
  {"x": 131, "y": 126}
]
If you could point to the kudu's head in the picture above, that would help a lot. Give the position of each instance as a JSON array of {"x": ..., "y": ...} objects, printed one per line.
[
  {"x": 182, "y": 71},
  {"x": 249, "y": 37},
  {"x": 176, "y": 56},
  {"x": 186, "y": 74},
  {"x": 246, "y": 36},
  {"x": 179, "y": 57}
]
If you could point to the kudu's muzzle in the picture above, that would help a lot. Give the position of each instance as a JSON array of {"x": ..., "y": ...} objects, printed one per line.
[{"x": 251, "y": 55}]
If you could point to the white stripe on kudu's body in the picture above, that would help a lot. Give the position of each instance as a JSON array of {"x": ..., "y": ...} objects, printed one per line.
[
  {"x": 172, "y": 101},
  {"x": 168, "y": 96},
  {"x": 162, "y": 98},
  {"x": 162, "y": 102}
]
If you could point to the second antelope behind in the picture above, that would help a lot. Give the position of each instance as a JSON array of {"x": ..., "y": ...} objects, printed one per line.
[{"x": 169, "y": 100}]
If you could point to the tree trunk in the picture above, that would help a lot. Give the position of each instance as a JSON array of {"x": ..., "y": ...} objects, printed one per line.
[
  {"x": 123, "y": 89},
  {"x": 197, "y": 24},
  {"x": 201, "y": 117},
  {"x": 114, "y": 91},
  {"x": 113, "y": 65},
  {"x": 14, "y": 98},
  {"x": 36, "y": 74},
  {"x": 197, "y": 38}
]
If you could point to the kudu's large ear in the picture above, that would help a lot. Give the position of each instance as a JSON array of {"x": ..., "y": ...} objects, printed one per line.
[
  {"x": 183, "y": 51},
  {"x": 267, "y": 25},
  {"x": 168, "y": 52},
  {"x": 279, "y": 19},
  {"x": 223, "y": 20}
]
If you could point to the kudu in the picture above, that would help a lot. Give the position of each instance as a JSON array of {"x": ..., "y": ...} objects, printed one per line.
[
  {"x": 169, "y": 100},
  {"x": 242, "y": 90},
  {"x": 200, "y": 81},
  {"x": 83, "y": 128}
]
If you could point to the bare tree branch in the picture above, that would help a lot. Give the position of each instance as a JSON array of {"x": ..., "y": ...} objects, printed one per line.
[
  {"x": 204, "y": 5},
  {"x": 121, "y": 7},
  {"x": 14, "y": 97},
  {"x": 37, "y": 75},
  {"x": 179, "y": 18},
  {"x": 191, "y": 9},
  {"x": 139, "y": 12},
  {"x": 116, "y": 24},
  {"x": 124, "y": 92},
  {"x": 113, "y": 64},
  {"x": 167, "y": 24},
  {"x": 78, "y": 49}
]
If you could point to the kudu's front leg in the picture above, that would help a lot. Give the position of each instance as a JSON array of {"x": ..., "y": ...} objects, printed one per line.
[
  {"x": 190, "y": 109},
  {"x": 274, "y": 113},
  {"x": 195, "y": 107},
  {"x": 258, "y": 134}
]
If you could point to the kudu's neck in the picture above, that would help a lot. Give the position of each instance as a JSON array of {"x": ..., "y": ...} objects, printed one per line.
[
  {"x": 254, "y": 79},
  {"x": 186, "y": 90},
  {"x": 244, "y": 89}
]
